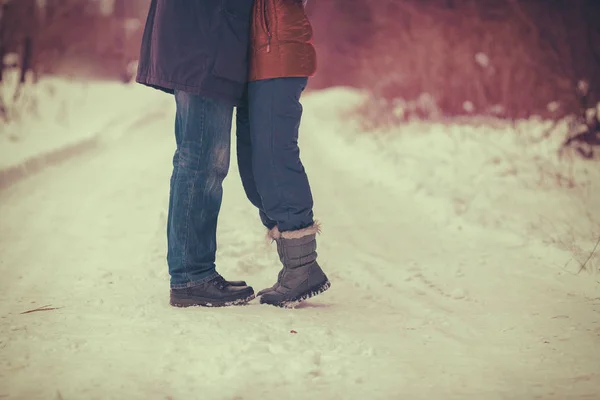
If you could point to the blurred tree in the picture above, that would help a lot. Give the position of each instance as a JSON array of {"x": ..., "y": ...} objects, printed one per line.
[
  {"x": 3, "y": 6},
  {"x": 93, "y": 37},
  {"x": 3, "y": 38},
  {"x": 508, "y": 58}
]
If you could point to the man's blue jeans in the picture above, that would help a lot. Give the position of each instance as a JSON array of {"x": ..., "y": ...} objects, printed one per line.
[
  {"x": 268, "y": 155},
  {"x": 200, "y": 164}
]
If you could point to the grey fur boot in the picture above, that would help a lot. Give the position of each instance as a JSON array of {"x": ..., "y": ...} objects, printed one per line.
[{"x": 301, "y": 277}]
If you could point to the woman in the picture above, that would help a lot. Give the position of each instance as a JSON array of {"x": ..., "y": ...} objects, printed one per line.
[{"x": 282, "y": 58}]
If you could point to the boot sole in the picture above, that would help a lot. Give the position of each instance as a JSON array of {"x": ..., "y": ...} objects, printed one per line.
[
  {"x": 294, "y": 301},
  {"x": 203, "y": 302}
]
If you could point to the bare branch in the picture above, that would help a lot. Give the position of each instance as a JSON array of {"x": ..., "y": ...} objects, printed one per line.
[{"x": 590, "y": 256}]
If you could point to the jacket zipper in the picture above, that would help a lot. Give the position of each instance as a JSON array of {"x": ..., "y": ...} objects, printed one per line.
[{"x": 267, "y": 27}]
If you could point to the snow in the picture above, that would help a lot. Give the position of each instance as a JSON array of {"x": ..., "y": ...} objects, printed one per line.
[
  {"x": 452, "y": 252},
  {"x": 59, "y": 112},
  {"x": 489, "y": 174}
]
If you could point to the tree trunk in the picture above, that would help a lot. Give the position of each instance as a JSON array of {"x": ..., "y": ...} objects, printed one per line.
[{"x": 2, "y": 39}]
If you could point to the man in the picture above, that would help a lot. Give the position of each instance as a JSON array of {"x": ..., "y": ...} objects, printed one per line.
[{"x": 197, "y": 50}]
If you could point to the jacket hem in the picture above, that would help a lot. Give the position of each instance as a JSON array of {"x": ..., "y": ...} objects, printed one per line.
[
  {"x": 170, "y": 87},
  {"x": 278, "y": 76}
]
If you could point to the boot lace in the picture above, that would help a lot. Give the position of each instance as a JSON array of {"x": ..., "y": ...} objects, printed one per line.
[{"x": 220, "y": 283}]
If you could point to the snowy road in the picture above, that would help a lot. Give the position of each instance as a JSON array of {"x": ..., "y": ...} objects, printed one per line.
[{"x": 423, "y": 305}]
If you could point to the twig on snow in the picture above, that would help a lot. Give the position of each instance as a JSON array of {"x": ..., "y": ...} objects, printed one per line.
[
  {"x": 590, "y": 256},
  {"x": 546, "y": 134},
  {"x": 42, "y": 308}
]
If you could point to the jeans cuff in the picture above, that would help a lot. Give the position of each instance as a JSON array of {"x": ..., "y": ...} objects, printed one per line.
[{"x": 196, "y": 282}]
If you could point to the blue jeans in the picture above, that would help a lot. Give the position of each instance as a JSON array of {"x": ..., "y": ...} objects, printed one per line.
[
  {"x": 268, "y": 156},
  {"x": 200, "y": 164}
]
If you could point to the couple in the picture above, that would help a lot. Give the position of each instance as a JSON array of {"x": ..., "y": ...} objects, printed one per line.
[{"x": 214, "y": 55}]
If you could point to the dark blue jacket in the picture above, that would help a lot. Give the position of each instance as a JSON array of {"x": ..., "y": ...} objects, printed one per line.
[{"x": 197, "y": 46}]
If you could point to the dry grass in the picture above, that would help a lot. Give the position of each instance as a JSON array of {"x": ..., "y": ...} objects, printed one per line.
[{"x": 511, "y": 61}]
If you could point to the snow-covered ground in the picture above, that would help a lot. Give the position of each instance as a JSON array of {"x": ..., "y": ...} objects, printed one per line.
[
  {"x": 59, "y": 112},
  {"x": 488, "y": 173},
  {"x": 451, "y": 250}
]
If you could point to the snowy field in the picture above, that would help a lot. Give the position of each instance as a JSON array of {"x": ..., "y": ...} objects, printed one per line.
[
  {"x": 58, "y": 112},
  {"x": 452, "y": 250}
]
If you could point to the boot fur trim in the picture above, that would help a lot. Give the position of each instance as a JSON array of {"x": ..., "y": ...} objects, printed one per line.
[{"x": 314, "y": 229}]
